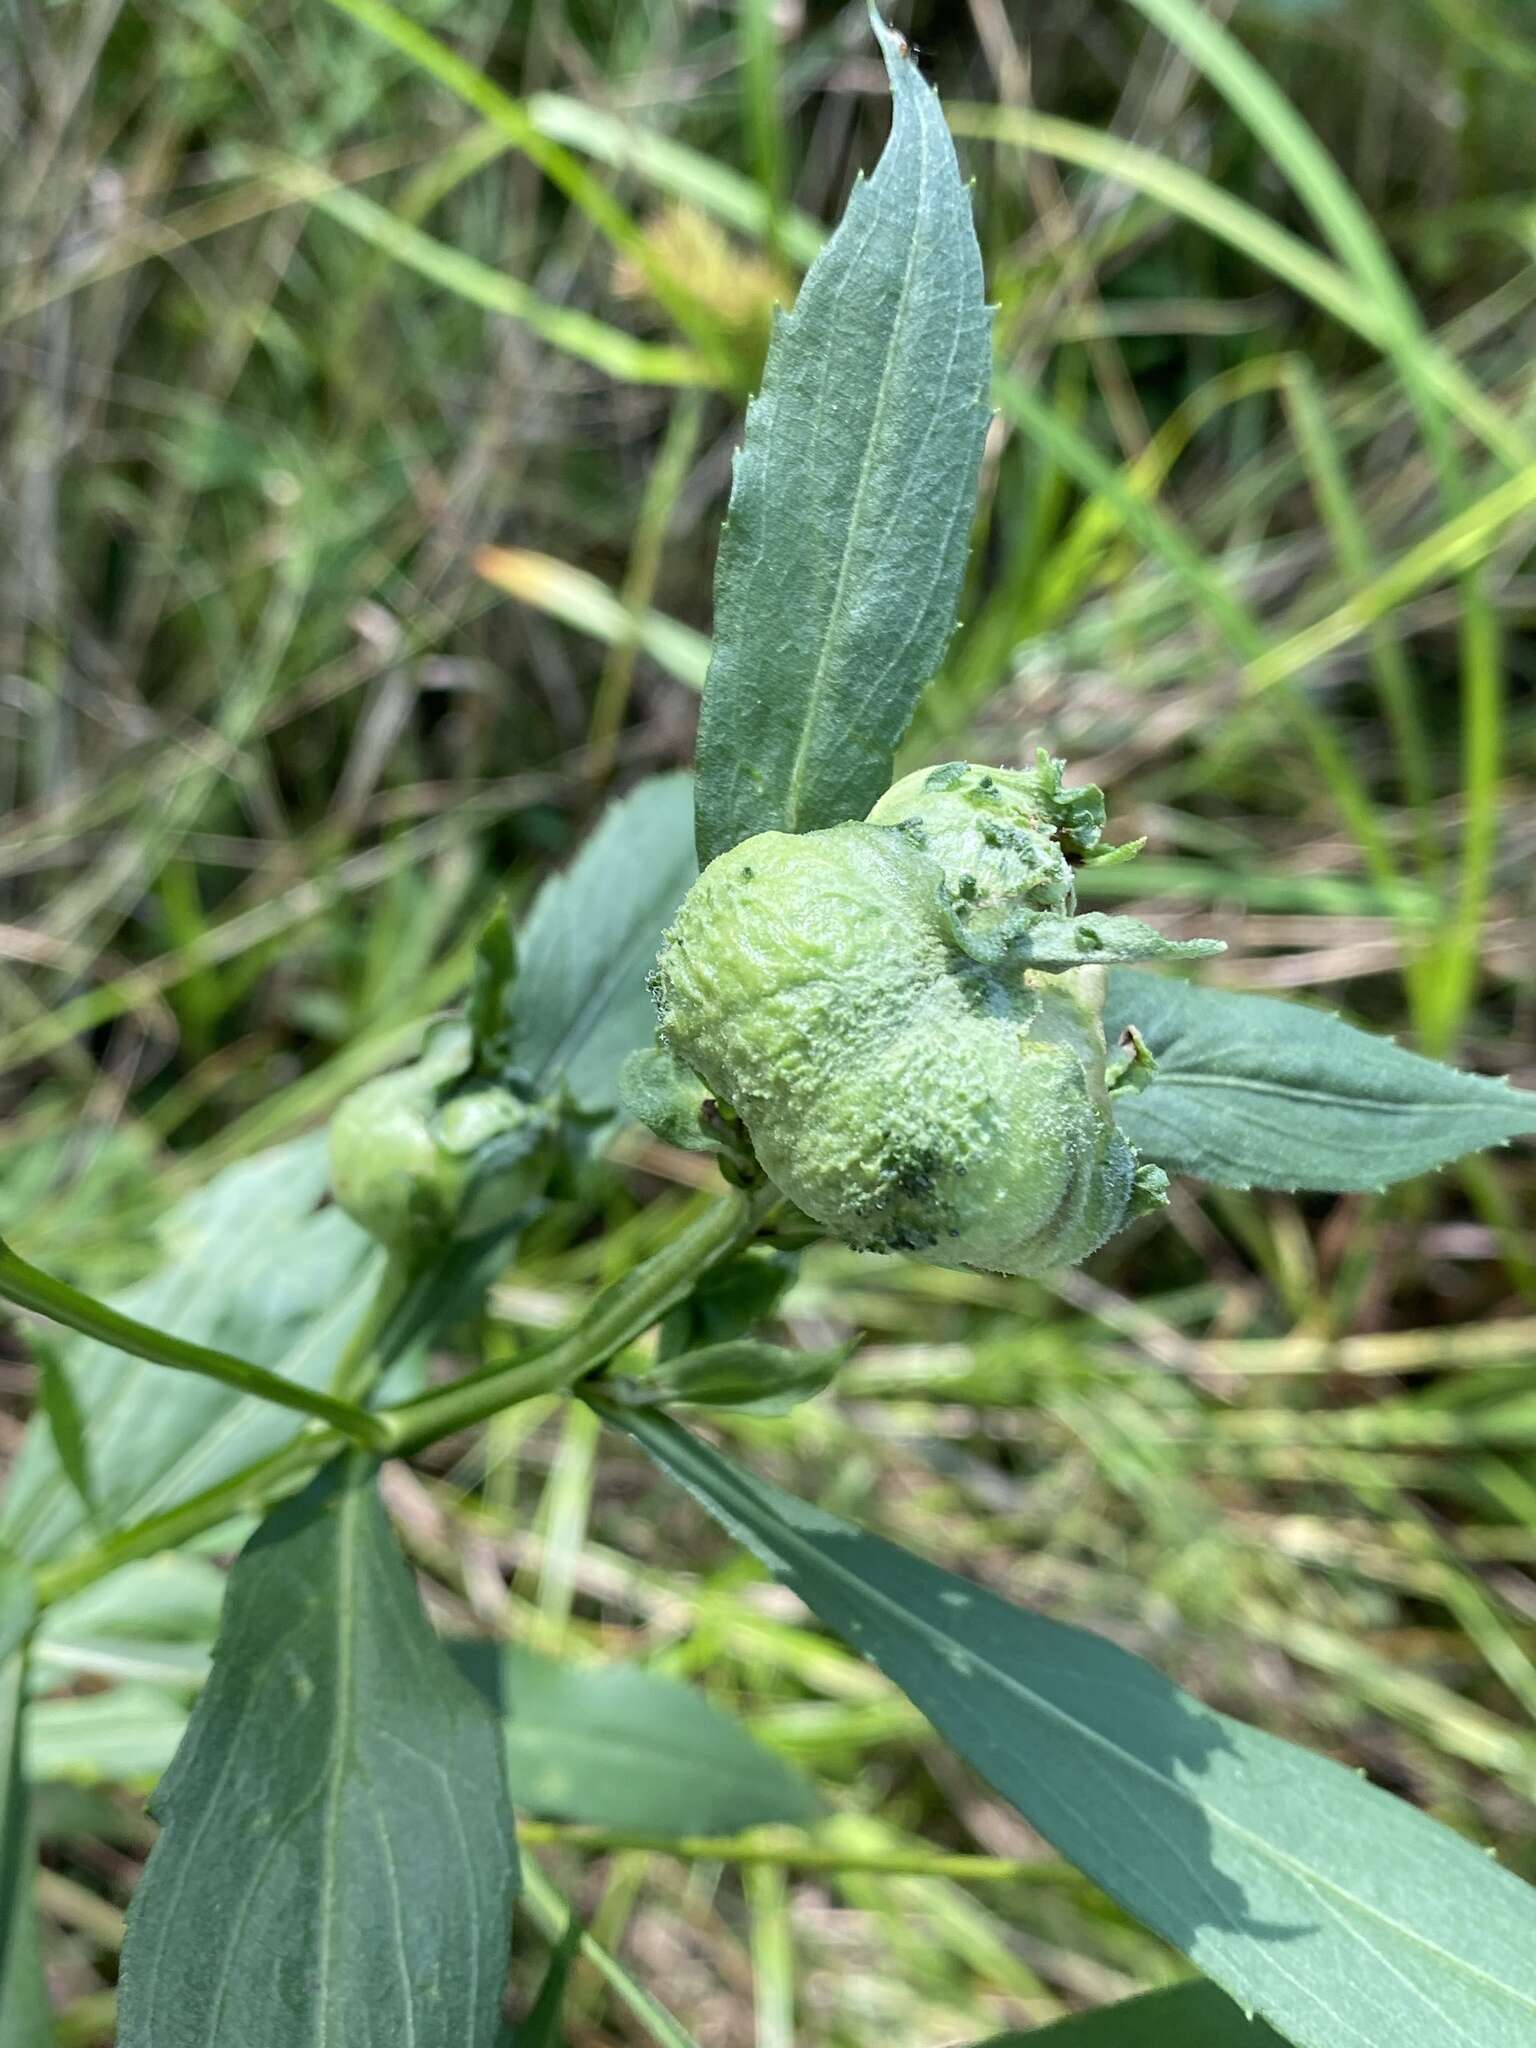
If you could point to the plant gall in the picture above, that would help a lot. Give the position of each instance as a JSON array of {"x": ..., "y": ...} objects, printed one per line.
[{"x": 907, "y": 1089}]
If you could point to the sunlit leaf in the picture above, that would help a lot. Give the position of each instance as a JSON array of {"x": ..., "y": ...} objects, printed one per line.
[
  {"x": 1251, "y": 1092},
  {"x": 1334, "y": 1910},
  {"x": 854, "y": 491}
]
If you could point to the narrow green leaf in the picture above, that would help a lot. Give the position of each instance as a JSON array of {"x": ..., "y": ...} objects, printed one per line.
[
  {"x": 850, "y": 513},
  {"x": 619, "y": 140},
  {"x": 66, "y": 1424},
  {"x": 492, "y": 982},
  {"x": 589, "y": 941},
  {"x": 125, "y": 1736},
  {"x": 1040, "y": 938},
  {"x": 541, "y": 2029},
  {"x": 585, "y": 603},
  {"x": 1251, "y": 1092},
  {"x": 337, "y": 1860},
  {"x": 1185, "y": 2016},
  {"x": 743, "y": 1373},
  {"x": 618, "y": 1747},
  {"x": 25, "y": 2021},
  {"x": 17, "y": 1604},
  {"x": 577, "y": 334},
  {"x": 256, "y": 1268},
  {"x": 1337, "y": 1912},
  {"x": 556, "y": 1920}
]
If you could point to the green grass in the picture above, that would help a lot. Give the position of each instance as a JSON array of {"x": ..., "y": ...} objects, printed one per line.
[{"x": 366, "y": 426}]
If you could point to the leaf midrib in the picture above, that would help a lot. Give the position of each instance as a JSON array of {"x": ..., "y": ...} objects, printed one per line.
[
  {"x": 1194, "y": 1077},
  {"x": 818, "y": 685}
]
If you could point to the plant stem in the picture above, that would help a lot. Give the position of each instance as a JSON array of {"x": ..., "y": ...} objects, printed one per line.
[
  {"x": 31, "y": 1288},
  {"x": 252, "y": 1490},
  {"x": 364, "y": 1358},
  {"x": 759, "y": 1849},
  {"x": 619, "y": 1315}
]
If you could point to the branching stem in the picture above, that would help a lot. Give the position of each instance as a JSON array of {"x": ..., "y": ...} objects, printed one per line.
[{"x": 30, "y": 1288}]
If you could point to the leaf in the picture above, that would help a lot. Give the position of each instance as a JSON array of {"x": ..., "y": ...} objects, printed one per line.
[
  {"x": 1184, "y": 2016},
  {"x": 126, "y": 1736},
  {"x": 583, "y": 602},
  {"x": 541, "y": 2029},
  {"x": 589, "y": 941},
  {"x": 618, "y": 1747},
  {"x": 153, "y": 1622},
  {"x": 66, "y": 1424},
  {"x": 729, "y": 1301},
  {"x": 1251, "y": 1092},
  {"x": 657, "y": 1090},
  {"x": 337, "y": 1860},
  {"x": 17, "y": 1605},
  {"x": 745, "y": 1374},
  {"x": 25, "y": 2021},
  {"x": 1336, "y": 1911},
  {"x": 492, "y": 984},
  {"x": 255, "y": 1268},
  {"x": 1041, "y": 939},
  {"x": 851, "y": 507}
]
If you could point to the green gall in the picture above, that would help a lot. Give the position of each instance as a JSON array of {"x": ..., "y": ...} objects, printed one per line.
[
  {"x": 430, "y": 1153},
  {"x": 1002, "y": 836},
  {"x": 905, "y": 1093}
]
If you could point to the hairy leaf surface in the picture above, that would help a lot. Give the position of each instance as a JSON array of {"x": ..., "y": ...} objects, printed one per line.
[
  {"x": 1254, "y": 1093},
  {"x": 1340, "y": 1914},
  {"x": 619, "y": 1747},
  {"x": 581, "y": 1001},
  {"x": 851, "y": 507},
  {"x": 337, "y": 1861}
]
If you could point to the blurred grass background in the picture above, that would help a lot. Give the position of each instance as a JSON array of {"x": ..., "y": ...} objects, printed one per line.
[{"x": 368, "y": 400}]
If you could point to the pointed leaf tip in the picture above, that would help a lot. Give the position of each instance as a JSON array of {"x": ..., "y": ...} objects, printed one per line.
[{"x": 852, "y": 500}]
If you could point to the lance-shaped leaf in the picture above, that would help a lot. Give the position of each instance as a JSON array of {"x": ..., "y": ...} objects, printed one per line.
[
  {"x": 1054, "y": 944},
  {"x": 337, "y": 1860},
  {"x": 744, "y": 1373},
  {"x": 1249, "y": 1092},
  {"x": 581, "y": 1004},
  {"x": 850, "y": 512},
  {"x": 620, "y": 1747},
  {"x": 1184, "y": 2016},
  {"x": 1338, "y": 1913}
]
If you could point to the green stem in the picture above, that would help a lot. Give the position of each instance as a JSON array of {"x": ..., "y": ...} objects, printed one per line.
[
  {"x": 364, "y": 1358},
  {"x": 619, "y": 1315},
  {"x": 31, "y": 1288},
  {"x": 759, "y": 1849},
  {"x": 252, "y": 1490}
]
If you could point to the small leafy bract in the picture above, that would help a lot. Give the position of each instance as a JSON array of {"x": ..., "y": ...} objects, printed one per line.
[
  {"x": 337, "y": 1859},
  {"x": 1249, "y": 1092},
  {"x": 1338, "y": 1912},
  {"x": 850, "y": 513}
]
